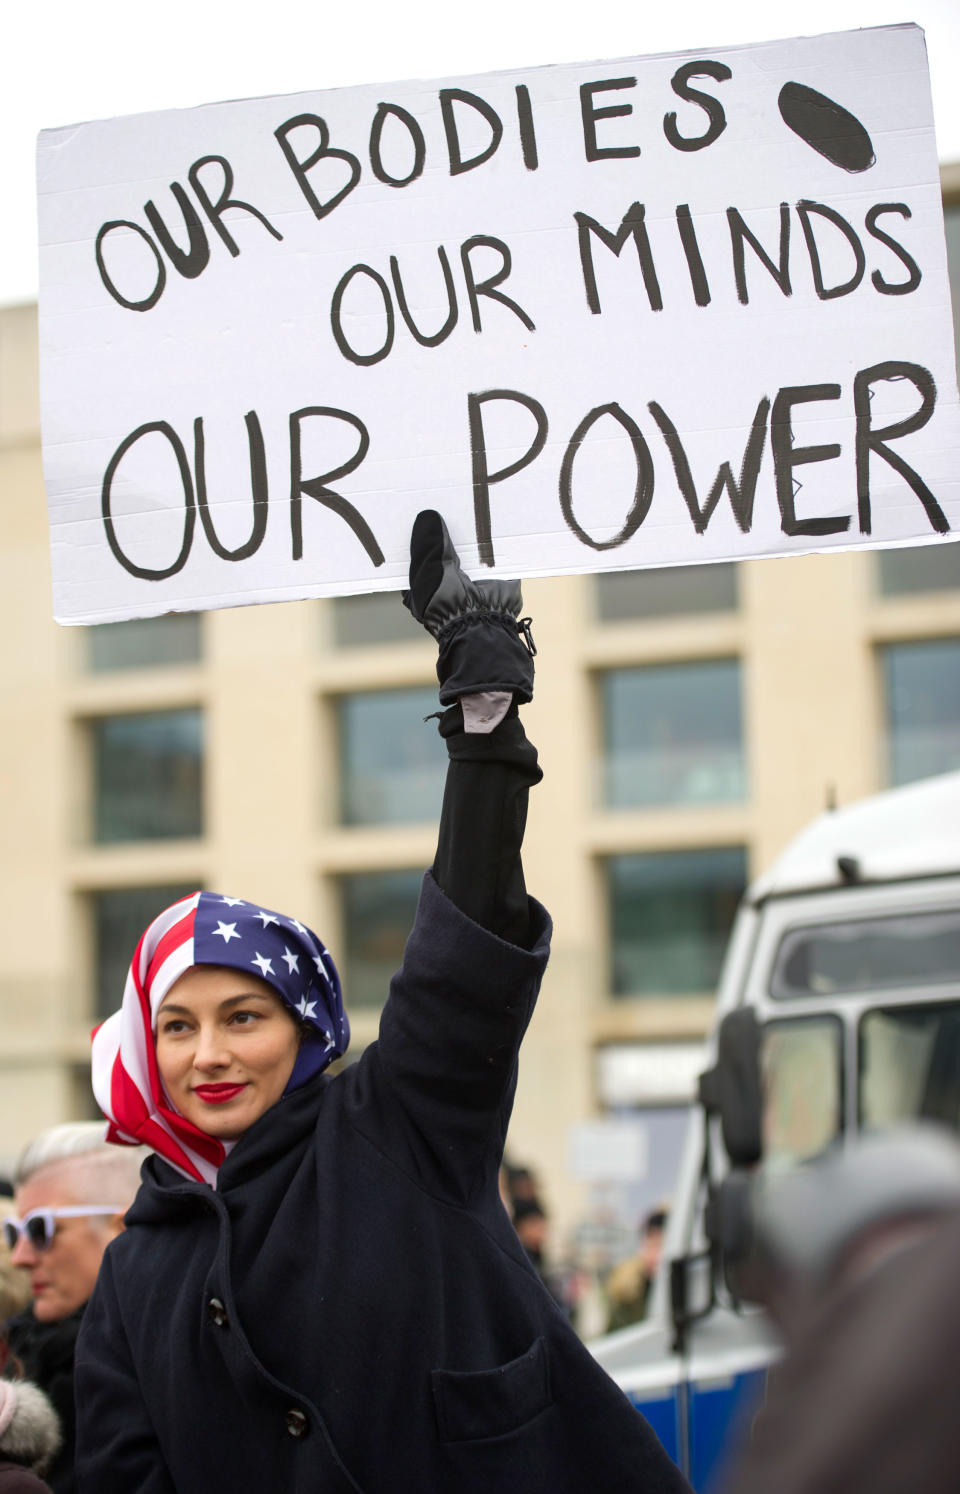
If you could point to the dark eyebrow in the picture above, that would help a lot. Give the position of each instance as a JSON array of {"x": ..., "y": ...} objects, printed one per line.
[{"x": 184, "y": 1011}]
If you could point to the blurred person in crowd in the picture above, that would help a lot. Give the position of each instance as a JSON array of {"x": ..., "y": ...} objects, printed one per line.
[
  {"x": 855, "y": 1257},
  {"x": 520, "y": 1185},
  {"x": 318, "y": 1288},
  {"x": 532, "y": 1227},
  {"x": 532, "y": 1224},
  {"x": 29, "y": 1437},
  {"x": 72, "y": 1191},
  {"x": 630, "y": 1282},
  {"x": 15, "y": 1290}
]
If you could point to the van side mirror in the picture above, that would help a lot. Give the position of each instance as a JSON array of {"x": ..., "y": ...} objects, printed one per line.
[
  {"x": 691, "y": 1294},
  {"x": 732, "y": 1088}
]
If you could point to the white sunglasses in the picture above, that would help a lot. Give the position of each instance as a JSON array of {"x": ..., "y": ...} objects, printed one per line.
[{"x": 40, "y": 1227}]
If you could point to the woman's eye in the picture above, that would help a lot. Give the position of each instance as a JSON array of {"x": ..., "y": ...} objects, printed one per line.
[
  {"x": 243, "y": 1019},
  {"x": 170, "y": 1029}
]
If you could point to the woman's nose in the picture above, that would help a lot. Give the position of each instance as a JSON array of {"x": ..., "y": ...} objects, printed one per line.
[
  {"x": 211, "y": 1052},
  {"x": 23, "y": 1253}
]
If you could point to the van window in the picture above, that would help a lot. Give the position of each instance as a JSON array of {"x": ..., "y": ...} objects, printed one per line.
[
  {"x": 915, "y": 949},
  {"x": 802, "y": 1087},
  {"x": 909, "y": 1062}
]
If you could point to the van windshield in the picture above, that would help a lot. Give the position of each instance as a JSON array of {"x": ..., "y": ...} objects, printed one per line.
[
  {"x": 909, "y": 1063},
  {"x": 878, "y": 954}
]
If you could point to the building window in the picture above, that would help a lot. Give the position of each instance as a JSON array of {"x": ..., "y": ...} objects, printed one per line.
[
  {"x": 919, "y": 568},
  {"x": 673, "y": 735},
  {"x": 144, "y": 642},
  {"x": 148, "y": 776},
  {"x": 378, "y": 914},
  {"x": 666, "y": 591},
  {"x": 923, "y": 708},
  {"x": 392, "y": 761},
  {"x": 120, "y": 916},
  {"x": 372, "y": 618},
  {"x": 670, "y": 915}
]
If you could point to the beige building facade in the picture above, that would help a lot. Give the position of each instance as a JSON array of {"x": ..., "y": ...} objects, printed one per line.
[{"x": 689, "y": 723}]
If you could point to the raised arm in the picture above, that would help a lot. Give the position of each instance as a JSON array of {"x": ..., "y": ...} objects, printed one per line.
[{"x": 458, "y": 1008}]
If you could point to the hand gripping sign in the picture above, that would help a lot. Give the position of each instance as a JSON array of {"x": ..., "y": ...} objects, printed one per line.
[{"x": 656, "y": 311}]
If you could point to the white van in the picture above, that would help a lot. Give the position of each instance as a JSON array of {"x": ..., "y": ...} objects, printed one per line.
[{"x": 844, "y": 965}]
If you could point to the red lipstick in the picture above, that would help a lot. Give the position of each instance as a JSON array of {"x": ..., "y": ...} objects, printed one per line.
[{"x": 218, "y": 1094}]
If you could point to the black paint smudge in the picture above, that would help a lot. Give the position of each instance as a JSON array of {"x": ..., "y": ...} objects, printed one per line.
[{"x": 826, "y": 127}]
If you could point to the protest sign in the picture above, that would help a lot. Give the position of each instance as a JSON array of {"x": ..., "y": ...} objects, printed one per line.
[{"x": 656, "y": 311}]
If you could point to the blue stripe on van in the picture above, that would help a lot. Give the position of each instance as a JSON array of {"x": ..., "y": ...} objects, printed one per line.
[
  {"x": 662, "y": 1416},
  {"x": 719, "y": 1415}
]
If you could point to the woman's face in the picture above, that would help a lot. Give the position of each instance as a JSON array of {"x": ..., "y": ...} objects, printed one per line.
[{"x": 226, "y": 1047}]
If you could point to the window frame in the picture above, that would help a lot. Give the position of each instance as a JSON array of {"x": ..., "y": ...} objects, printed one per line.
[
  {"x": 686, "y": 996},
  {"x": 606, "y": 758},
  {"x": 346, "y": 783},
  {"x": 886, "y": 649},
  {"x": 90, "y": 725}
]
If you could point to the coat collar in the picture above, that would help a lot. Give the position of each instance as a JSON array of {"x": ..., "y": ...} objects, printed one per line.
[{"x": 277, "y": 1134}]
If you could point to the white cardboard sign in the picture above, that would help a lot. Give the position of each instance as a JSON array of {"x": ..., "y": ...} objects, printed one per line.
[{"x": 656, "y": 311}]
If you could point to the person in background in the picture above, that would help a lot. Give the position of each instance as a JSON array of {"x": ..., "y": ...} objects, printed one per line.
[
  {"x": 532, "y": 1224},
  {"x": 518, "y": 1185},
  {"x": 29, "y": 1437},
  {"x": 72, "y": 1191},
  {"x": 630, "y": 1283},
  {"x": 532, "y": 1227},
  {"x": 14, "y": 1286}
]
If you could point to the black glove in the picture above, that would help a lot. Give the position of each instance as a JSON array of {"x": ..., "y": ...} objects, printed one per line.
[{"x": 484, "y": 645}]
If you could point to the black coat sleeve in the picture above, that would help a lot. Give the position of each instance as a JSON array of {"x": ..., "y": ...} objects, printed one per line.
[
  {"x": 460, "y": 1004},
  {"x": 482, "y": 823},
  {"x": 449, "y": 1037},
  {"x": 117, "y": 1447}
]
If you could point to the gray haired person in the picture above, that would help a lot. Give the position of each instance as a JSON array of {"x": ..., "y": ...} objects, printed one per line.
[{"x": 72, "y": 1190}]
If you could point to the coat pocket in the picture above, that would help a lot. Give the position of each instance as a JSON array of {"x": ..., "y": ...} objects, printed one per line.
[{"x": 473, "y": 1404}]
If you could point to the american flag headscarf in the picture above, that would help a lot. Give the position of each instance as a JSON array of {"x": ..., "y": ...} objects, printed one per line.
[{"x": 208, "y": 929}]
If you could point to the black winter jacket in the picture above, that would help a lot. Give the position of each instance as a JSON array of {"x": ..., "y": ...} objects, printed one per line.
[
  {"x": 45, "y": 1353},
  {"x": 351, "y": 1309}
]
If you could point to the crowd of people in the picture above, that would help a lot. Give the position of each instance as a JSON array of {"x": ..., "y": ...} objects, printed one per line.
[
  {"x": 72, "y": 1188},
  {"x": 597, "y": 1299},
  {"x": 264, "y": 1272},
  {"x": 62, "y": 1208}
]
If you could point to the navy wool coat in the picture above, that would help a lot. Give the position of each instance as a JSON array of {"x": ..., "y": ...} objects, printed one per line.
[{"x": 350, "y": 1309}]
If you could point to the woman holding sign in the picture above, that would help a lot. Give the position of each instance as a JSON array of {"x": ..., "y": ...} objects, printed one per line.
[{"x": 319, "y": 1290}]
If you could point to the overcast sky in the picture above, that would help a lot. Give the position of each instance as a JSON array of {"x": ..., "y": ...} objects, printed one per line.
[{"x": 66, "y": 62}]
